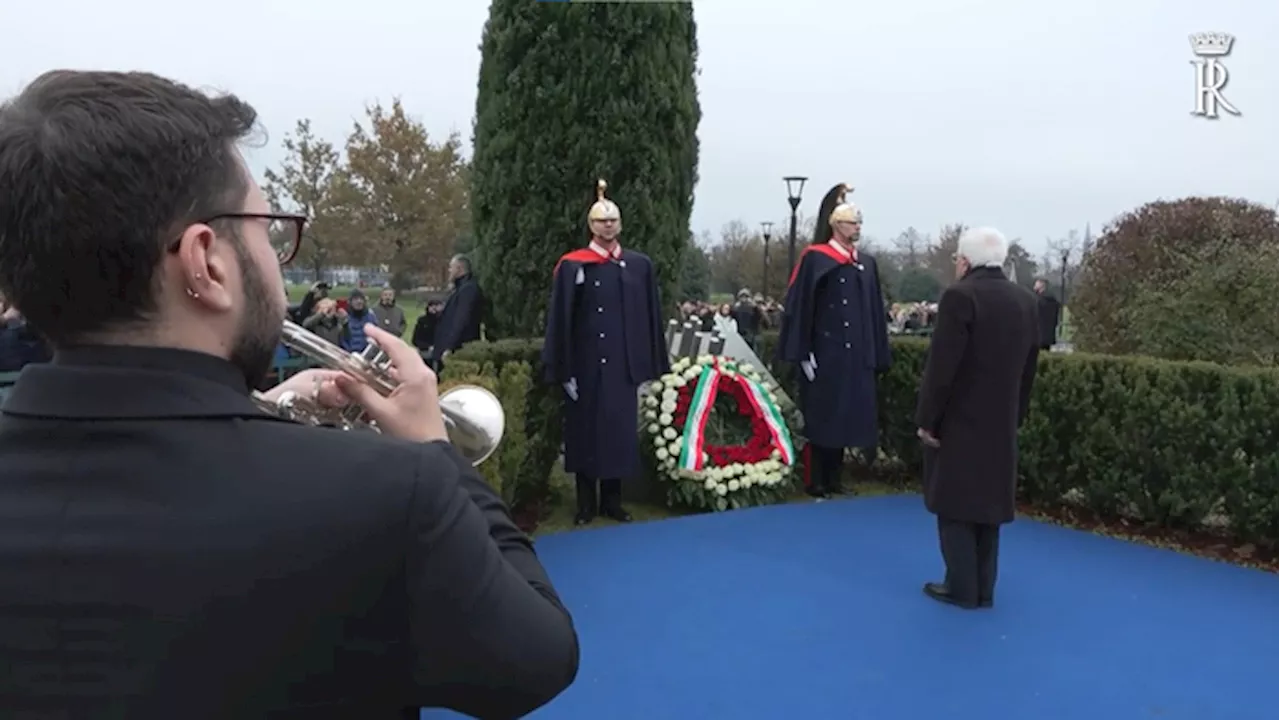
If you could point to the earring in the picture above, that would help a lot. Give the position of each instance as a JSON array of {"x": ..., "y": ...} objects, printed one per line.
[
  {"x": 198, "y": 276},
  {"x": 192, "y": 293}
]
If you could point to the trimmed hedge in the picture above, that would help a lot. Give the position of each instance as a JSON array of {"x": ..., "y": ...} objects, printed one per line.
[{"x": 1186, "y": 446}]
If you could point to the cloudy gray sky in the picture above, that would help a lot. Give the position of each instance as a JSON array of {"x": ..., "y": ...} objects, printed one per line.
[{"x": 1033, "y": 117}]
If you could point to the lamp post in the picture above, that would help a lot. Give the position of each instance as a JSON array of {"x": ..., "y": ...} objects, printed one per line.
[
  {"x": 1062, "y": 276},
  {"x": 766, "y": 229},
  {"x": 795, "y": 186}
]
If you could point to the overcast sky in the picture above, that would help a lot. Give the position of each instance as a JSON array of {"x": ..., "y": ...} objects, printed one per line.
[{"x": 1033, "y": 117}]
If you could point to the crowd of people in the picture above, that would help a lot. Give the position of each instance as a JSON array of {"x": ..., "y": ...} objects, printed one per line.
[{"x": 444, "y": 326}]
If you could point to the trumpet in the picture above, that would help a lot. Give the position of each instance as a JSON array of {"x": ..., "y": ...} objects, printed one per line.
[{"x": 473, "y": 416}]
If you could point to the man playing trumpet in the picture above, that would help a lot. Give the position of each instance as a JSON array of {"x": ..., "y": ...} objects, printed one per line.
[{"x": 167, "y": 542}]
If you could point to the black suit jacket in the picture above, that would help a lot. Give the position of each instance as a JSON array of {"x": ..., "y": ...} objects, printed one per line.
[
  {"x": 460, "y": 317},
  {"x": 975, "y": 393},
  {"x": 167, "y": 551}
]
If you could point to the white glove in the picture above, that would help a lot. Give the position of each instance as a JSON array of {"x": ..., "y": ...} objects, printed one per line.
[
  {"x": 571, "y": 389},
  {"x": 808, "y": 366}
]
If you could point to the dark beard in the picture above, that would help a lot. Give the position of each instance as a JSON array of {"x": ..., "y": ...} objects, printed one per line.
[{"x": 259, "y": 334}]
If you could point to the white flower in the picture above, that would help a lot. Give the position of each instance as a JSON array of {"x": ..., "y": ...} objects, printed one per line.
[
  {"x": 734, "y": 485},
  {"x": 662, "y": 453},
  {"x": 650, "y": 415},
  {"x": 669, "y": 394},
  {"x": 679, "y": 382},
  {"x": 654, "y": 429},
  {"x": 776, "y": 455},
  {"x": 651, "y": 401},
  {"x": 670, "y": 433},
  {"x": 674, "y": 448},
  {"x": 748, "y": 481},
  {"x": 667, "y": 406},
  {"x": 722, "y": 490},
  {"x": 692, "y": 373},
  {"x": 655, "y": 387},
  {"x": 659, "y": 442},
  {"x": 665, "y": 419},
  {"x": 709, "y": 484},
  {"x": 668, "y": 379},
  {"x": 705, "y": 359}
]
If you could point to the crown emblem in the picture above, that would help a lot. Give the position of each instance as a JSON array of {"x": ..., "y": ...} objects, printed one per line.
[{"x": 1212, "y": 44}]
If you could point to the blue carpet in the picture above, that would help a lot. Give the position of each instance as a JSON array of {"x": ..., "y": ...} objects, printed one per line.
[{"x": 814, "y": 611}]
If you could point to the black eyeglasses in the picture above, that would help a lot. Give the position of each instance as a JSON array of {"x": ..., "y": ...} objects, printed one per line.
[{"x": 284, "y": 230}]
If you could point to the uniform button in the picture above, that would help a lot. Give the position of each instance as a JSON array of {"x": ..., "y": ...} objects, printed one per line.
[
  {"x": 599, "y": 309},
  {"x": 846, "y": 323},
  {"x": 844, "y": 302},
  {"x": 602, "y": 334},
  {"x": 604, "y": 360},
  {"x": 841, "y": 280},
  {"x": 598, "y": 283},
  {"x": 847, "y": 345}
]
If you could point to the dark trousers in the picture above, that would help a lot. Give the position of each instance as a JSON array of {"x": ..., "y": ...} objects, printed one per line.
[
  {"x": 970, "y": 551},
  {"x": 610, "y": 497},
  {"x": 825, "y": 466}
]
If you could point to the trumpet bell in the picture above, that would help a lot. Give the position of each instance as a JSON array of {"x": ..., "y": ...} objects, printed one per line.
[
  {"x": 473, "y": 416},
  {"x": 475, "y": 421}
]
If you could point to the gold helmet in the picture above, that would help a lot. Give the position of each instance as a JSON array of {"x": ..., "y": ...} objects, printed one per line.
[
  {"x": 844, "y": 211},
  {"x": 604, "y": 208},
  {"x": 835, "y": 208}
]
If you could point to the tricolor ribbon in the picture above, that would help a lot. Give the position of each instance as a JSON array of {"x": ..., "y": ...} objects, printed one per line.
[{"x": 704, "y": 399}]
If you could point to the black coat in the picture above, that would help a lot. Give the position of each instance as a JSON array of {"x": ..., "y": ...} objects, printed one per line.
[
  {"x": 604, "y": 332},
  {"x": 171, "y": 552},
  {"x": 974, "y": 396},
  {"x": 460, "y": 319},
  {"x": 1050, "y": 313},
  {"x": 835, "y": 312}
]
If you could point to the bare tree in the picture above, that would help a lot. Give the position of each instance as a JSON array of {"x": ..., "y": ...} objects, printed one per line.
[{"x": 912, "y": 247}]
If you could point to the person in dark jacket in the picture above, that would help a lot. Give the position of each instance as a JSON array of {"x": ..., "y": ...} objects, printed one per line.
[
  {"x": 462, "y": 312},
  {"x": 748, "y": 316},
  {"x": 359, "y": 316},
  {"x": 1049, "y": 312},
  {"x": 424, "y": 329},
  {"x": 834, "y": 328},
  {"x": 974, "y": 395},
  {"x": 604, "y": 340},
  {"x": 171, "y": 551}
]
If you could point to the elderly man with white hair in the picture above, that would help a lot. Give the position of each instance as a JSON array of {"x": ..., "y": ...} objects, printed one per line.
[{"x": 973, "y": 397}]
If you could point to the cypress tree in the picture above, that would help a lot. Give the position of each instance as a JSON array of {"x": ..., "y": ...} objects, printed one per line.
[{"x": 570, "y": 93}]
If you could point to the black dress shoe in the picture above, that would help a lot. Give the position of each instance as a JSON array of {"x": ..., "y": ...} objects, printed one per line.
[
  {"x": 816, "y": 493},
  {"x": 583, "y": 518},
  {"x": 985, "y": 602},
  {"x": 941, "y": 593},
  {"x": 617, "y": 514}
]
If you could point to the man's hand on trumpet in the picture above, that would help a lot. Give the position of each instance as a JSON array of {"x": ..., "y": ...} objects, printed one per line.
[{"x": 410, "y": 412}]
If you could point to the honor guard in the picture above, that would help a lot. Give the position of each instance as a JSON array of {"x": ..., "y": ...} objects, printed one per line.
[
  {"x": 835, "y": 329},
  {"x": 604, "y": 339}
]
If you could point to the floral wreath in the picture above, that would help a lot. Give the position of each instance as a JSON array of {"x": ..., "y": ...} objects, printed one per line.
[{"x": 720, "y": 477}]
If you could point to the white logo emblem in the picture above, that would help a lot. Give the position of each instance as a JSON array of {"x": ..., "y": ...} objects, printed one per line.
[{"x": 1211, "y": 74}]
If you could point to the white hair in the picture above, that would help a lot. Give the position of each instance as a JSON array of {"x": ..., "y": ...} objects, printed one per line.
[{"x": 983, "y": 247}]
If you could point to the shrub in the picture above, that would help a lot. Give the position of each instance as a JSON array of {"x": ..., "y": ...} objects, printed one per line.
[
  {"x": 569, "y": 93},
  {"x": 1186, "y": 446},
  {"x": 522, "y": 465},
  {"x": 1193, "y": 279},
  {"x": 1181, "y": 445}
]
